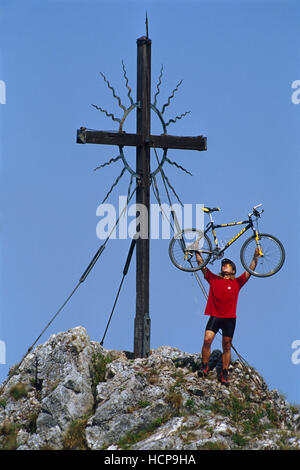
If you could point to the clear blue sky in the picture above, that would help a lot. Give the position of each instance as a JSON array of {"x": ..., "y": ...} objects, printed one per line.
[{"x": 238, "y": 61}]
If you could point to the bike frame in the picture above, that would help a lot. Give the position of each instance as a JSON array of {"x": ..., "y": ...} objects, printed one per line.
[{"x": 212, "y": 226}]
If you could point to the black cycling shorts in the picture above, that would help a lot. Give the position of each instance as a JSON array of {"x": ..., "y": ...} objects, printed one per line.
[{"x": 227, "y": 325}]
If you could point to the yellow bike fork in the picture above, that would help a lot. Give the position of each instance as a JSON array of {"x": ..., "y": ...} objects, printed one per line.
[{"x": 260, "y": 252}]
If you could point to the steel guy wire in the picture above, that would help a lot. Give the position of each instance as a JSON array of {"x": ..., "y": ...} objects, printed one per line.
[{"x": 81, "y": 280}]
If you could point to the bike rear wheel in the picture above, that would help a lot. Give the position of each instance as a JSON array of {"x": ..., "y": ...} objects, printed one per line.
[
  {"x": 273, "y": 255},
  {"x": 182, "y": 251}
]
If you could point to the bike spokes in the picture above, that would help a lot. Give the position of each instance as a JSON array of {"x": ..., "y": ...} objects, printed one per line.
[
  {"x": 271, "y": 256},
  {"x": 183, "y": 246}
]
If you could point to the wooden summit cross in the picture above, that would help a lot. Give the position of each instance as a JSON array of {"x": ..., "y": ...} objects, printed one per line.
[{"x": 143, "y": 141}]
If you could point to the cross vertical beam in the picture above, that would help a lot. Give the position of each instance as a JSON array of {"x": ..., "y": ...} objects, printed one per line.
[
  {"x": 143, "y": 141},
  {"x": 142, "y": 318}
]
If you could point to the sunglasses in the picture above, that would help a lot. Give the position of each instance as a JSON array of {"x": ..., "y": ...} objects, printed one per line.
[{"x": 226, "y": 274}]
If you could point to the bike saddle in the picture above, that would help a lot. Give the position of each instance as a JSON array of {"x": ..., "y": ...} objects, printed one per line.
[{"x": 209, "y": 209}]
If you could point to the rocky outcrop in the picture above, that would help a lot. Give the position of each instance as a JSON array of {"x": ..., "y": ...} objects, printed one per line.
[{"x": 71, "y": 393}]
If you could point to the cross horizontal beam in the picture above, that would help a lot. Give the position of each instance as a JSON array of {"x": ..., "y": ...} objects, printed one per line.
[
  {"x": 166, "y": 141},
  {"x": 86, "y": 136}
]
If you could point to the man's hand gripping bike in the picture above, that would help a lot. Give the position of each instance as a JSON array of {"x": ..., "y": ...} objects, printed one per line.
[{"x": 184, "y": 244}]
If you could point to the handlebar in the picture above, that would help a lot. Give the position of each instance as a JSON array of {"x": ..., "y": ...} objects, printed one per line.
[{"x": 256, "y": 212}]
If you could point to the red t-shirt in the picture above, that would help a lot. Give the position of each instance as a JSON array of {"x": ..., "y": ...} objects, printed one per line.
[{"x": 223, "y": 295}]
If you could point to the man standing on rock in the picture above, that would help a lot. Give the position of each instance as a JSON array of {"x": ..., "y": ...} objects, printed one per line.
[{"x": 221, "y": 308}]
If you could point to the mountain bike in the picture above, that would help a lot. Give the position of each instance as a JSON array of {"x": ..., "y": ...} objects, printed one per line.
[{"x": 185, "y": 243}]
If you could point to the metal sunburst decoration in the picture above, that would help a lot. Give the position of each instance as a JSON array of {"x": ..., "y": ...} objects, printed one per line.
[{"x": 126, "y": 111}]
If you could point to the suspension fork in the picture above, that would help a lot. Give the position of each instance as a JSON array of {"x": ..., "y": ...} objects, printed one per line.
[{"x": 257, "y": 238}]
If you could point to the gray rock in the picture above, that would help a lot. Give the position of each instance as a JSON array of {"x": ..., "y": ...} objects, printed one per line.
[{"x": 76, "y": 394}]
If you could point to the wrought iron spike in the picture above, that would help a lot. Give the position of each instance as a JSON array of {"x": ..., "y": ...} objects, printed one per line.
[
  {"x": 113, "y": 92},
  {"x": 178, "y": 166},
  {"x": 107, "y": 113},
  {"x": 127, "y": 86},
  {"x": 177, "y": 118},
  {"x": 158, "y": 85},
  {"x": 109, "y": 162},
  {"x": 171, "y": 96},
  {"x": 114, "y": 184},
  {"x": 146, "y": 22}
]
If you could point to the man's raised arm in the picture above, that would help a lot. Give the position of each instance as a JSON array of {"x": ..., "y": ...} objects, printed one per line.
[
  {"x": 253, "y": 262},
  {"x": 200, "y": 261}
]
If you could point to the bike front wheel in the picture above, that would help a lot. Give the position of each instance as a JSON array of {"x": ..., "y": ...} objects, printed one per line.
[
  {"x": 182, "y": 249},
  {"x": 272, "y": 259}
]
